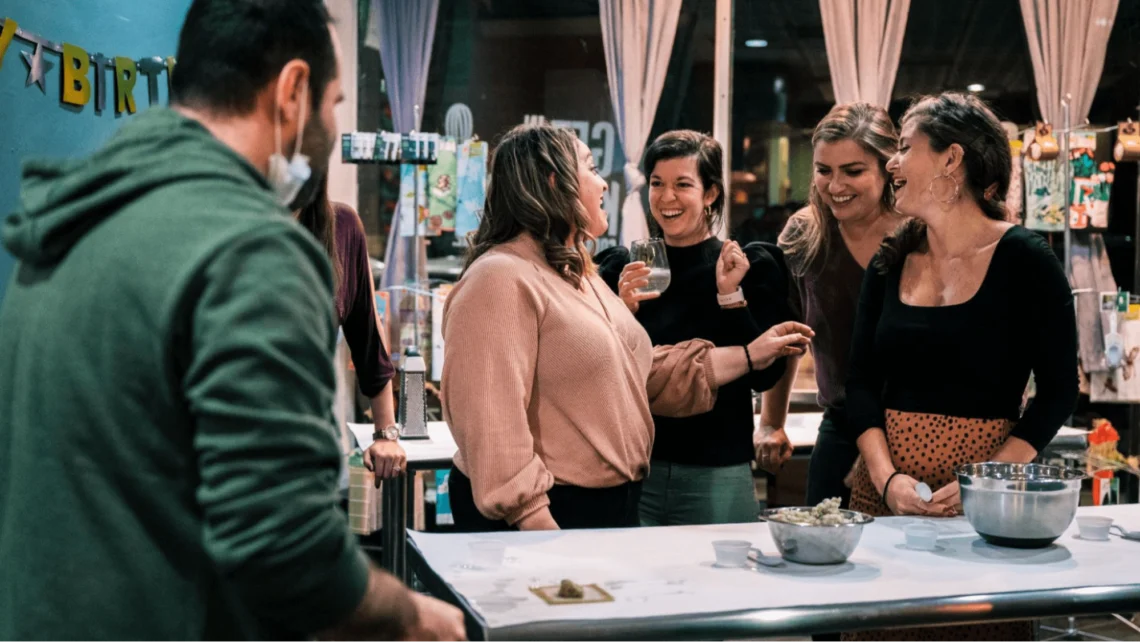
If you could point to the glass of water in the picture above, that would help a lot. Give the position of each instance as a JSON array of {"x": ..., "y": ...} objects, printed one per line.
[{"x": 652, "y": 253}]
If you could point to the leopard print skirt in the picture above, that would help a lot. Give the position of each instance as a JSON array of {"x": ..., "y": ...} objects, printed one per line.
[{"x": 928, "y": 448}]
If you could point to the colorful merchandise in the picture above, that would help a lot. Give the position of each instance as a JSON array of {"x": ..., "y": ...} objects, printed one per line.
[
  {"x": 1120, "y": 385},
  {"x": 1092, "y": 183},
  {"x": 443, "y": 514},
  {"x": 443, "y": 187},
  {"x": 413, "y": 207},
  {"x": 472, "y": 172},
  {"x": 1044, "y": 195}
]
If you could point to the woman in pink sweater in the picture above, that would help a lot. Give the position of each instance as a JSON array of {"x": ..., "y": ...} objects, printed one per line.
[{"x": 549, "y": 383}]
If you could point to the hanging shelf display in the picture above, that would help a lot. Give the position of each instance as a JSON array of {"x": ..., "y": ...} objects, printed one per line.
[{"x": 1066, "y": 186}]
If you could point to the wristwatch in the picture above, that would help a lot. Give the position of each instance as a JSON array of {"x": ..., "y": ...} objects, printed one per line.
[
  {"x": 391, "y": 433},
  {"x": 731, "y": 299}
]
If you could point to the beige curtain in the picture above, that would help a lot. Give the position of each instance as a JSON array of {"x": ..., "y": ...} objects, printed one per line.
[
  {"x": 864, "y": 41},
  {"x": 638, "y": 39},
  {"x": 1067, "y": 43}
]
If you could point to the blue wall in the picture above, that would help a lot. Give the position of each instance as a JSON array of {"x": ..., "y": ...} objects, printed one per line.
[{"x": 35, "y": 124}]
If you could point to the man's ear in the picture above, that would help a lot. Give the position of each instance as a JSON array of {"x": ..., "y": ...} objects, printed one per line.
[{"x": 290, "y": 90}]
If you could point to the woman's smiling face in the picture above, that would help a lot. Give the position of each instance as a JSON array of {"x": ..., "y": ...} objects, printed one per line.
[
  {"x": 677, "y": 200},
  {"x": 848, "y": 179}
]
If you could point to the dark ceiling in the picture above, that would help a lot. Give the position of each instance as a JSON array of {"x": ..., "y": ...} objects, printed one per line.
[{"x": 949, "y": 44}]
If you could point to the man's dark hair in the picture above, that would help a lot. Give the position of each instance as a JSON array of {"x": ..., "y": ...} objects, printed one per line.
[{"x": 229, "y": 50}]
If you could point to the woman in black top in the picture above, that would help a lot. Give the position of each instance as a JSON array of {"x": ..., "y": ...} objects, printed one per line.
[
  {"x": 700, "y": 471},
  {"x": 957, "y": 309}
]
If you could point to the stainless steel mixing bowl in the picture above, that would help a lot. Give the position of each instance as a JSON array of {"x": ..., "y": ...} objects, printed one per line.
[
  {"x": 1019, "y": 505},
  {"x": 805, "y": 544}
]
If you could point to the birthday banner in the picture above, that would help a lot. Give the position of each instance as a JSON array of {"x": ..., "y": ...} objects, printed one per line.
[{"x": 76, "y": 86}]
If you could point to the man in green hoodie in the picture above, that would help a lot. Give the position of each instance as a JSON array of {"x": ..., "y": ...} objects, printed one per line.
[{"x": 168, "y": 463}]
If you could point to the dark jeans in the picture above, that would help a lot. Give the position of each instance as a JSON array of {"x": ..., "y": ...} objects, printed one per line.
[
  {"x": 831, "y": 460},
  {"x": 571, "y": 506}
]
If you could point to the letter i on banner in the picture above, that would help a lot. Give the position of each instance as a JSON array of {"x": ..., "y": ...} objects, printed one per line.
[
  {"x": 6, "y": 36},
  {"x": 76, "y": 85},
  {"x": 126, "y": 73}
]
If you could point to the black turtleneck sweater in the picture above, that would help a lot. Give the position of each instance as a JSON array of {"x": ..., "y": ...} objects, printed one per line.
[{"x": 688, "y": 309}]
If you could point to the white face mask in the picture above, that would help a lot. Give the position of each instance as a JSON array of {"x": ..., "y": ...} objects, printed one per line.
[{"x": 288, "y": 176}]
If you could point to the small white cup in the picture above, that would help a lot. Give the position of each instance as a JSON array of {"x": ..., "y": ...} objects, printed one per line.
[
  {"x": 1094, "y": 527},
  {"x": 487, "y": 554},
  {"x": 732, "y": 553},
  {"x": 921, "y": 536}
]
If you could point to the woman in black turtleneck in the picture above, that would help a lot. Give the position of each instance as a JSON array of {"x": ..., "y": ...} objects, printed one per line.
[{"x": 701, "y": 466}]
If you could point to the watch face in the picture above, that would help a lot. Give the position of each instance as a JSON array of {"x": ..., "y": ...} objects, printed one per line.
[{"x": 392, "y": 433}]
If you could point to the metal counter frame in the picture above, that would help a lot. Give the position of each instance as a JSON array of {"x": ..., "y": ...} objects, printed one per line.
[
  {"x": 803, "y": 620},
  {"x": 395, "y": 501}
]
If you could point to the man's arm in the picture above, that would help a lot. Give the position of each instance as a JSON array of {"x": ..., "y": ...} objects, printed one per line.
[{"x": 259, "y": 382}]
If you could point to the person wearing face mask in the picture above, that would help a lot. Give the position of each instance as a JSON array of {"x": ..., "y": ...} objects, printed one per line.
[
  {"x": 828, "y": 246},
  {"x": 718, "y": 292},
  {"x": 340, "y": 232},
  {"x": 548, "y": 380},
  {"x": 957, "y": 308},
  {"x": 167, "y": 380}
]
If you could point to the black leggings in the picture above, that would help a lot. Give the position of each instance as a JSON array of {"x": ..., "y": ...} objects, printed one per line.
[{"x": 571, "y": 506}]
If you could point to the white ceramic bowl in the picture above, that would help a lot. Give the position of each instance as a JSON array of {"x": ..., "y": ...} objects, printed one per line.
[{"x": 1094, "y": 527}]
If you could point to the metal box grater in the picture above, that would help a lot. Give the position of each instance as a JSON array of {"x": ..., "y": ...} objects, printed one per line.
[{"x": 413, "y": 401}]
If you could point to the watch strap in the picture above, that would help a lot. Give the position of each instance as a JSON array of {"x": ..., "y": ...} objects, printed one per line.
[
  {"x": 732, "y": 298},
  {"x": 383, "y": 435}
]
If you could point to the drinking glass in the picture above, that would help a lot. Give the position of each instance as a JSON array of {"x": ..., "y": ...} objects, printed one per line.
[{"x": 652, "y": 253}]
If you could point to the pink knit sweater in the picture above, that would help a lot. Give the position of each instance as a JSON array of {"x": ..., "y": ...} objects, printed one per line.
[{"x": 547, "y": 384}]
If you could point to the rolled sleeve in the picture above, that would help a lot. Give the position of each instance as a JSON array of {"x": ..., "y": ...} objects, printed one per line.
[
  {"x": 491, "y": 326},
  {"x": 681, "y": 380},
  {"x": 259, "y": 384}
]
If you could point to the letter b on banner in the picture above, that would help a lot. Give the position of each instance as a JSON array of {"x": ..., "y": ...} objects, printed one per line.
[{"x": 76, "y": 85}]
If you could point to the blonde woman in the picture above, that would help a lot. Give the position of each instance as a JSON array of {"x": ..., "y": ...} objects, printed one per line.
[
  {"x": 828, "y": 246},
  {"x": 549, "y": 382}
]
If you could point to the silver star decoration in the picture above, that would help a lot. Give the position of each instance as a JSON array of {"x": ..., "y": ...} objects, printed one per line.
[{"x": 37, "y": 67}]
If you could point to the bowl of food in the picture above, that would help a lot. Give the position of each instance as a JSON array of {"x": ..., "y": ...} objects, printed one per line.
[
  {"x": 1019, "y": 505},
  {"x": 821, "y": 534}
]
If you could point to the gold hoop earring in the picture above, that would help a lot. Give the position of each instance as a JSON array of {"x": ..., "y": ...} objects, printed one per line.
[
  {"x": 708, "y": 214},
  {"x": 957, "y": 189}
]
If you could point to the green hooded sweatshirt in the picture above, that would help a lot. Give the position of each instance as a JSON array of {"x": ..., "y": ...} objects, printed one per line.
[{"x": 168, "y": 463}]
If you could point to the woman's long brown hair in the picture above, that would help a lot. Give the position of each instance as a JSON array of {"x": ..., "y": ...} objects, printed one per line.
[
  {"x": 319, "y": 218},
  {"x": 533, "y": 188},
  {"x": 963, "y": 119}
]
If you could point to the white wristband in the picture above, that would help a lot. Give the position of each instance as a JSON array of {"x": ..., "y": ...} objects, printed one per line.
[{"x": 729, "y": 299}]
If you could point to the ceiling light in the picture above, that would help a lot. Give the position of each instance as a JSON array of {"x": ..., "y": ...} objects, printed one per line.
[
  {"x": 976, "y": 87},
  {"x": 756, "y": 43}
]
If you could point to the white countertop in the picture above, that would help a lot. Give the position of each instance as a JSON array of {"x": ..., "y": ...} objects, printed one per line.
[
  {"x": 668, "y": 571},
  {"x": 439, "y": 446}
]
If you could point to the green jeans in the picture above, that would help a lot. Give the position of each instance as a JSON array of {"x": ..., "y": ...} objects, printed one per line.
[{"x": 680, "y": 494}]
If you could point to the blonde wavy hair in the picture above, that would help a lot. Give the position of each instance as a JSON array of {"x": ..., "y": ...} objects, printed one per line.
[{"x": 809, "y": 233}]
